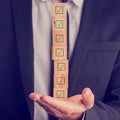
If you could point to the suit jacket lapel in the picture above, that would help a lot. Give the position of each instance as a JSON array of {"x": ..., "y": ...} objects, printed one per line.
[
  {"x": 91, "y": 12},
  {"x": 22, "y": 17}
]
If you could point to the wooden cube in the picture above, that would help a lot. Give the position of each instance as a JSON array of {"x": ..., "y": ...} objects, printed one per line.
[
  {"x": 59, "y": 24},
  {"x": 61, "y": 67},
  {"x": 61, "y": 93},
  {"x": 59, "y": 52},
  {"x": 59, "y": 38},
  {"x": 60, "y": 80},
  {"x": 59, "y": 10}
]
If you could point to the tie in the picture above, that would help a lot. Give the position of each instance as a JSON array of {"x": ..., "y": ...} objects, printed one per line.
[
  {"x": 59, "y": 50},
  {"x": 64, "y": 1}
]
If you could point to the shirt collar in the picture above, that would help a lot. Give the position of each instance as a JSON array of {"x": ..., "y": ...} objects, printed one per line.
[{"x": 76, "y": 2}]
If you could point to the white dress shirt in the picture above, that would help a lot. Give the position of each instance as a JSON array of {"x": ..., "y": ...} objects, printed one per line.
[{"x": 42, "y": 26}]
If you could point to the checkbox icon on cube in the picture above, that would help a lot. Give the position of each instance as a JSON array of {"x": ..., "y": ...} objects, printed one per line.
[
  {"x": 59, "y": 10},
  {"x": 60, "y": 94},
  {"x": 60, "y": 80},
  {"x": 59, "y": 38},
  {"x": 61, "y": 66},
  {"x": 59, "y": 23},
  {"x": 59, "y": 52}
]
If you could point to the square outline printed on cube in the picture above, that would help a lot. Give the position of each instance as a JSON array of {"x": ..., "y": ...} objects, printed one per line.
[
  {"x": 59, "y": 24},
  {"x": 64, "y": 14},
  {"x": 59, "y": 36},
  {"x": 61, "y": 91},
  {"x": 55, "y": 53},
  {"x": 59, "y": 52},
  {"x": 58, "y": 12},
  {"x": 61, "y": 66},
  {"x": 65, "y": 93},
  {"x": 59, "y": 80},
  {"x": 56, "y": 62},
  {"x": 56, "y": 35},
  {"x": 57, "y": 85}
]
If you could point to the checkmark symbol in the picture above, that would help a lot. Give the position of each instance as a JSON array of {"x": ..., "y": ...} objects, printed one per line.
[
  {"x": 60, "y": 94},
  {"x": 61, "y": 81},
  {"x": 62, "y": 67},
  {"x": 60, "y": 38},
  {"x": 58, "y": 10},
  {"x": 59, "y": 24},
  {"x": 60, "y": 53}
]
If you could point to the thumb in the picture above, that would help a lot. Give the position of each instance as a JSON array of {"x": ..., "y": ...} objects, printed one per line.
[{"x": 87, "y": 98}]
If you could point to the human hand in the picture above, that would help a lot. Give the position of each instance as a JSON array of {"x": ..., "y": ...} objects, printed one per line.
[{"x": 69, "y": 109}]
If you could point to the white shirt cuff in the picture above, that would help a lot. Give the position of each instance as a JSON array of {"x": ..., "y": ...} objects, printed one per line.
[{"x": 83, "y": 118}]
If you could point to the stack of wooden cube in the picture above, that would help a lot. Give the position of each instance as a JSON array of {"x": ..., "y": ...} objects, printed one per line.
[{"x": 59, "y": 50}]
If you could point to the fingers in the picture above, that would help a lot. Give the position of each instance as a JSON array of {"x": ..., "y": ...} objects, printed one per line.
[
  {"x": 34, "y": 96},
  {"x": 38, "y": 98},
  {"x": 57, "y": 106},
  {"x": 66, "y": 109},
  {"x": 60, "y": 105},
  {"x": 47, "y": 101},
  {"x": 87, "y": 98},
  {"x": 70, "y": 108},
  {"x": 76, "y": 99}
]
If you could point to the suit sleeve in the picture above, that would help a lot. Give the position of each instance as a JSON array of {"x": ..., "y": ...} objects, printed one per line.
[{"x": 109, "y": 108}]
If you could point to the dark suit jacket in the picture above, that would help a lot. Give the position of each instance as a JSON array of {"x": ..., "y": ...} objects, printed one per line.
[{"x": 95, "y": 62}]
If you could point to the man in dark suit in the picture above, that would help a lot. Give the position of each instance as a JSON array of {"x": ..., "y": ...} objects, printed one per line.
[{"x": 95, "y": 62}]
